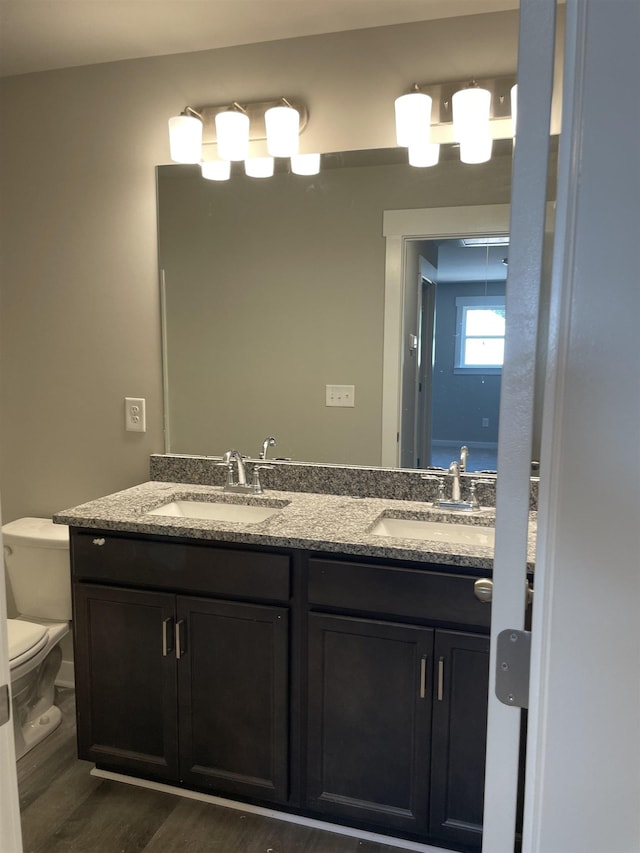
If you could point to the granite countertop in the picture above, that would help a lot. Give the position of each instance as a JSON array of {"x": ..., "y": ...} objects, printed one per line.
[{"x": 316, "y": 522}]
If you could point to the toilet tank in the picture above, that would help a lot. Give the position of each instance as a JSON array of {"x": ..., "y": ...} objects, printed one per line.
[{"x": 36, "y": 556}]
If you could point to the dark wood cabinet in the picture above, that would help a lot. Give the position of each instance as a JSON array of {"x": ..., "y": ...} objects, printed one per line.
[
  {"x": 459, "y": 736},
  {"x": 369, "y": 720},
  {"x": 233, "y": 697},
  {"x": 182, "y": 688},
  {"x": 126, "y": 689},
  {"x": 336, "y": 687}
]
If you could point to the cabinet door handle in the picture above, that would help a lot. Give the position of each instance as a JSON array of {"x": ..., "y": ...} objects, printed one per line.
[
  {"x": 180, "y": 646},
  {"x": 440, "y": 679},
  {"x": 167, "y": 636},
  {"x": 423, "y": 676}
]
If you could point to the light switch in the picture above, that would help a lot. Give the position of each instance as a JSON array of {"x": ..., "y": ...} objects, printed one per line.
[{"x": 341, "y": 395}]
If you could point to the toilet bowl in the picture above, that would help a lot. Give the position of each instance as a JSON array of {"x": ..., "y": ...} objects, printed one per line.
[{"x": 37, "y": 562}]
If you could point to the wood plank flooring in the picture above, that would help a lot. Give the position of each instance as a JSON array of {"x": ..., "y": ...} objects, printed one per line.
[{"x": 65, "y": 810}]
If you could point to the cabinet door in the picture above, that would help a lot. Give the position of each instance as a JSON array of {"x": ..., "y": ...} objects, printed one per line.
[
  {"x": 369, "y": 720},
  {"x": 233, "y": 680},
  {"x": 126, "y": 680},
  {"x": 459, "y": 736}
]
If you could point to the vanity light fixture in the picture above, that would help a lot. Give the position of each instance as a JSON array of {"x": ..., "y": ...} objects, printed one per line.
[
  {"x": 259, "y": 167},
  {"x": 468, "y": 113},
  {"x": 305, "y": 164},
  {"x": 216, "y": 170},
  {"x": 413, "y": 118},
  {"x": 232, "y": 127},
  {"x": 424, "y": 155},
  {"x": 282, "y": 124},
  {"x": 471, "y": 108},
  {"x": 185, "y": 136},
  {"x": 232, "y": 132}
]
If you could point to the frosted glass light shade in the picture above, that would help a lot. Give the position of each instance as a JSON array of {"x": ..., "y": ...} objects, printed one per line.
[
  {"x": 216, "y": 170},
  {"x": 471, "y": 111},
  {"x": 305, "y": 164},
  {"x": 514, "y": 110},
  {"x": 476, "y": 149},
  {"x": 185, "y": 139},
  {"x": 413, "y": 118},
  {"x": 424, "y": 155},
  {"x": 283, "y": 131},
  {"x": 259, "y": 167},
  {"x": 232, "y": 131}
]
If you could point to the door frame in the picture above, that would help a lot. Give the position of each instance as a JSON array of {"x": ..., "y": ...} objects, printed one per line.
[{"x": 400, "y": 226}]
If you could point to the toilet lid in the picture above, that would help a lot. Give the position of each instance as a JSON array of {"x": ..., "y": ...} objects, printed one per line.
[{"x": 24, "y": 637}]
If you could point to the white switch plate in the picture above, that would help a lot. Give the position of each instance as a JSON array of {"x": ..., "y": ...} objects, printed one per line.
[
  {"x": 135, "y": 419},
  {"x": 341, "y": 395}
]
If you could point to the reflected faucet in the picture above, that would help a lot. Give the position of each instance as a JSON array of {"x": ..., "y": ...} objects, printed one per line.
[
  {"x": 266, "y": 444},
  {"x": 464, "y": 452},
  {"x": 454, "y": 471}
]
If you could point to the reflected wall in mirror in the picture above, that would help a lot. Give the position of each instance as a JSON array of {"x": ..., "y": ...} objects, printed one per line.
[{"x": 274, "y": 289}]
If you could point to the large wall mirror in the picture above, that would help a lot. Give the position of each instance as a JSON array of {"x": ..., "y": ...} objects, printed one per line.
[{"x": 274, "y": 289}]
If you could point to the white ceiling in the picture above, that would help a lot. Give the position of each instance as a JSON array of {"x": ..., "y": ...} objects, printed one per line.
[{"x": 40, "y": 35}]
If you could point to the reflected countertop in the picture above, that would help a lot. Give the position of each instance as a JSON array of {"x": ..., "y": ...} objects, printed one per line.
[{"x": 309, "y": 521}]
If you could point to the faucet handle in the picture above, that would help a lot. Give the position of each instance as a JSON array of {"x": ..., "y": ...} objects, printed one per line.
[
  {"x": 473, "y": 498},
  {"x": 440, "y": 480},
  {"x": 229, "y": 468},
  {"x": 256, "y": 484}
]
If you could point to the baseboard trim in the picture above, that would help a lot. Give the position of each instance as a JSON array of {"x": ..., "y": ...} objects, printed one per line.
[{"x": 312, "y": 823}]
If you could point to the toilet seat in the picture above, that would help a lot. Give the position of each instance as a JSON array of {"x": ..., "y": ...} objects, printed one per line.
[{"x": 26, "y": 639}]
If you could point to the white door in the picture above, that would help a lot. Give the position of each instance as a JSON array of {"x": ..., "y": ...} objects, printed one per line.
[
  {"x": 583, "y": 751},
  {"x": 10, "y": 832},
  {"x": 528, "y": 213}
]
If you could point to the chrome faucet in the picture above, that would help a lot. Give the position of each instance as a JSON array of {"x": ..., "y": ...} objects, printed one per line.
[
  {"x": 266, "y": 444},
  {"x": 240, "y": 486},
  {"x": 228, "y": 459},
  {"x": 464, "y": 453},
  {"x": 455, "y": 502}
]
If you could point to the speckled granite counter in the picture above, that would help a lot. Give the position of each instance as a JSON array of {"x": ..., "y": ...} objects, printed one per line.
[{"x": 316, "y": 522}]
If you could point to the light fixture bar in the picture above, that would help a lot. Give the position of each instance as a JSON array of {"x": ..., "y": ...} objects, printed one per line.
[
  {"x": 255, "y": 111},
  {"x": 442, "y": 110}
]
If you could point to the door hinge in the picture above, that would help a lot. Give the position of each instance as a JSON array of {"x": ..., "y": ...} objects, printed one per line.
[
  {"x": 512, "y": 667},
  {"x": 5, "y": 704}
]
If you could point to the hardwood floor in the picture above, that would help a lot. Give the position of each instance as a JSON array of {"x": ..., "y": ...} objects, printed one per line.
[{"x": 65, "y": 810}]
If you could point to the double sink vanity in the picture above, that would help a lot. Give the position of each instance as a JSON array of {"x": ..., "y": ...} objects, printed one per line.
[{"x": 319, "y": 649}]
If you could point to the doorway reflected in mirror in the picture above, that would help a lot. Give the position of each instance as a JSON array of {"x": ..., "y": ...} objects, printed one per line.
[{"x": 452, "y": 363}]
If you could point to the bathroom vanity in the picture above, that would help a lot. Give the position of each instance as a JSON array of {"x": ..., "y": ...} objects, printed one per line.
[{"x": 301, "y": 663}]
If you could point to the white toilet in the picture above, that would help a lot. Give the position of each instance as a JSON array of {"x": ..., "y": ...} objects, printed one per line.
[{"x": 36, "y": 553}]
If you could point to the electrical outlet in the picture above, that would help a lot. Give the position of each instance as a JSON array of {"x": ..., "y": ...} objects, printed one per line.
[
  {"x": 485, "y": 422},
  {"x": 135, "y": 419},
  {"x": 341, "y": 395}
]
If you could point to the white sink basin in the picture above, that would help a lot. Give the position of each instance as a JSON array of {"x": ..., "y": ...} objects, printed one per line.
[
  {"x": 435, "y": 531},
  {"x": 243, "y": 513}
]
